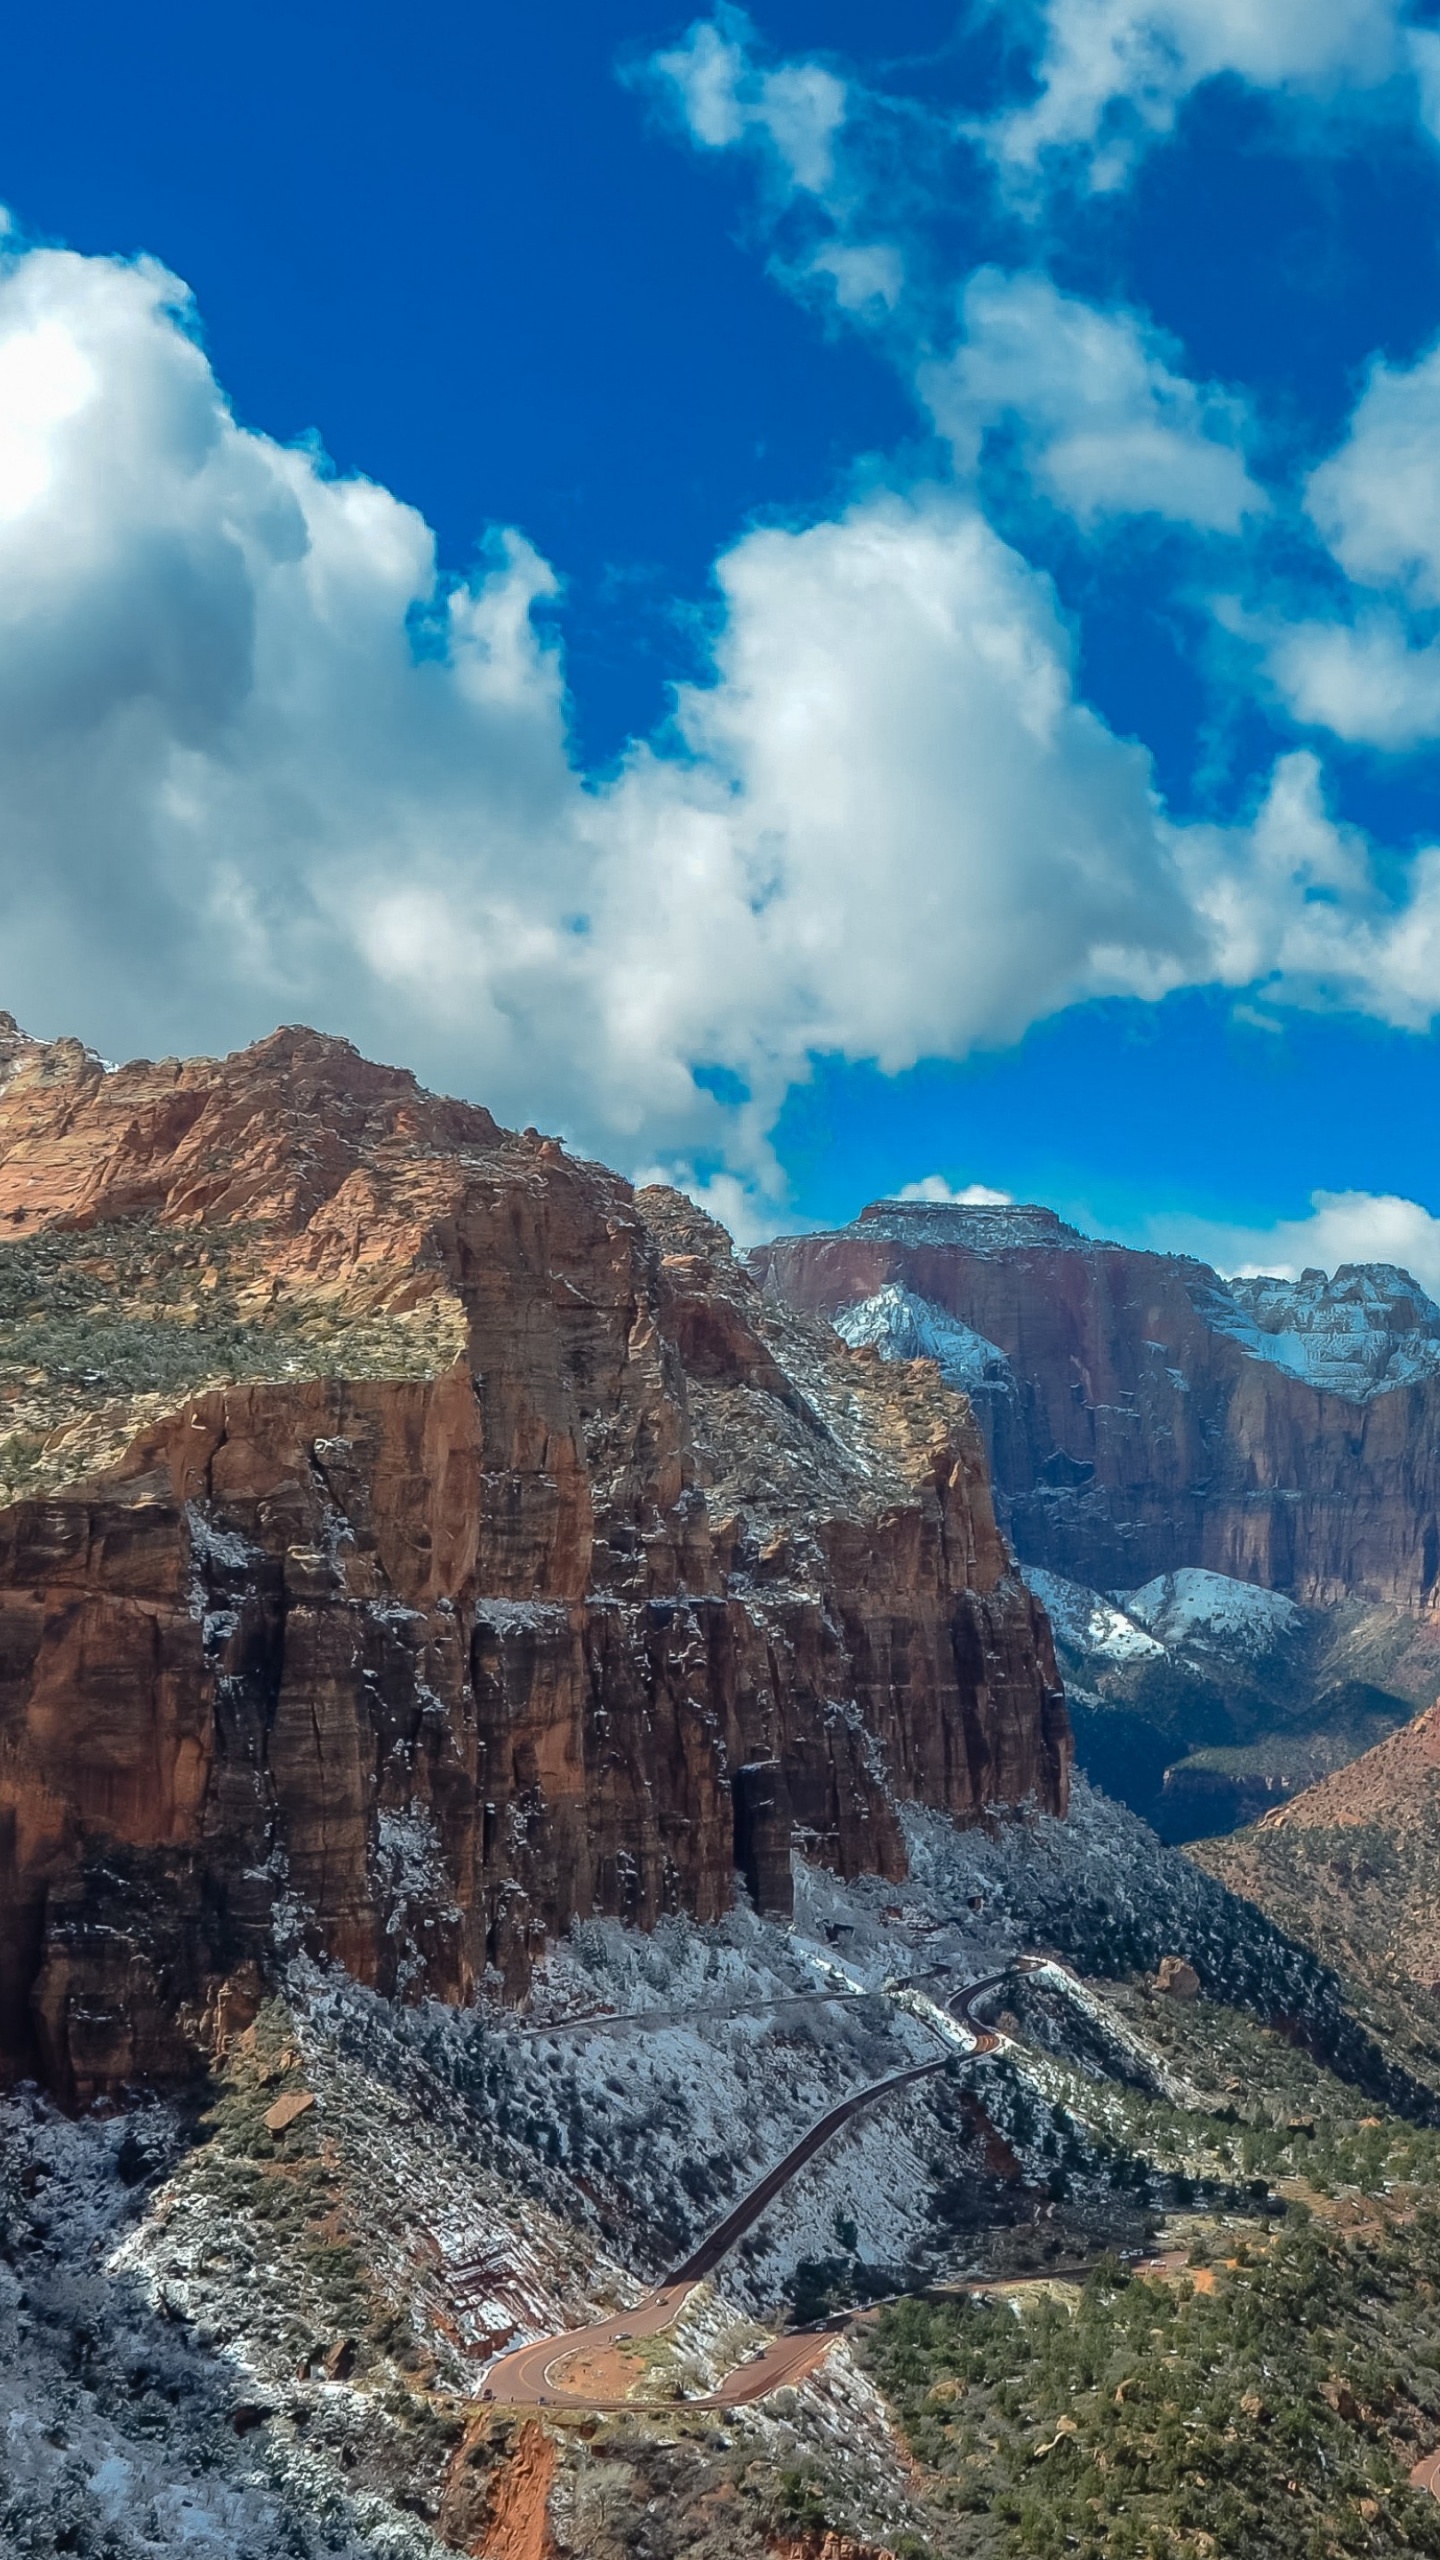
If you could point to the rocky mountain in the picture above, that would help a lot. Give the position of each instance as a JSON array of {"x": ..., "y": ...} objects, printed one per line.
[
  {"x": 1351, "y": 1867},
  {"x": 1144, "y": 1415},
  {"x": 1203, "y": 1702},
  {"x": 413, "y": 1538},
  {"x": 1225, "y": 1492},
  {"x": 430, "y": 1573}
]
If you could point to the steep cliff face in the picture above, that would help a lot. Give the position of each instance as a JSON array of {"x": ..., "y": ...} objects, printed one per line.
[
  {"x": 1142, "y": 1414},
  {"x": 413, "y": 1537}
]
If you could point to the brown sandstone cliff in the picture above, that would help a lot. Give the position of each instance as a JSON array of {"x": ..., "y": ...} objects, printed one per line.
[
  {"x": 413, "y": 1538},
  {"x": 1137, "y": 1419}
]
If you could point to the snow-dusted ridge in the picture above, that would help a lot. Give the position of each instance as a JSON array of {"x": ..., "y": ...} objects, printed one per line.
[
  {"x": 982, "y": 1227},
  {"x": 1087, "y": 1622},
  {"x": 1359, "y": 1332},
  {"x": 902, "y": 1326},
  {"x": 1193, "y": 1610},
  {"x": 1192, "y": 1613}
]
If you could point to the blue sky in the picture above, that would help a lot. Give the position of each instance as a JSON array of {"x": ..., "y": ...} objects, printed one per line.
[{"x": 814, "y": 616}]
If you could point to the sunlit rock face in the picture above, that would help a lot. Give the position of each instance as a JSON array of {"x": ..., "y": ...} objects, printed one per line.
[
  {"x": 1142, "y": 1414},
  {"x": 413, "y": 1538}
]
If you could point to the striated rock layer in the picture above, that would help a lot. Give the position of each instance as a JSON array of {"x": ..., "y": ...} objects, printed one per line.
[
  {"x": 1143, "y": 1415},
  {"x": 416, "y": 1538}
]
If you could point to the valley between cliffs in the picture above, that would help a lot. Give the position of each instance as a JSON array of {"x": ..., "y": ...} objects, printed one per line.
[{"x": 414, "y": 1539}]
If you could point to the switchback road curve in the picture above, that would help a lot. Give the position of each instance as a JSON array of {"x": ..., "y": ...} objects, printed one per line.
[{"x": 521, "y": 2379}]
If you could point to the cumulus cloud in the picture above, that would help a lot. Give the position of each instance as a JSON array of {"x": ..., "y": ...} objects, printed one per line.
[
  {"x": 1368, "y": 681},
  {"x": 257, "y": 757},
  {"x": 1296, "y": 902},
  {"x": 259, "y": 760},
  {"x": 932, "y": 838},
  {"x": 1370, "y": 672},
  {"x": 1112, "y": 74},
  {"x": 1343, "y": 1226},
  {"x": 1376, "y": 501},
  {"x": 1105, "y": 426}
]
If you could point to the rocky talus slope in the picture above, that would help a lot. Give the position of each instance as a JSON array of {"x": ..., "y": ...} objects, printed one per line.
[
  {"x": 413, "y": 1538},
  {"x": 1143, "y": 1414}
]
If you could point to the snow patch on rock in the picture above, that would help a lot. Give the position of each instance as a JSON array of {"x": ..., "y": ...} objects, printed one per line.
[
  {"x": 1087, "y": 1622},
  {"x": 1367, "y": 1330},
  {"x": 902, "y": 1326},
  {"x": 1193, "y": 1610}
]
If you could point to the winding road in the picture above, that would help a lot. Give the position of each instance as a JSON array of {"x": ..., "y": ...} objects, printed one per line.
[{"x": 522, "y": 2378}]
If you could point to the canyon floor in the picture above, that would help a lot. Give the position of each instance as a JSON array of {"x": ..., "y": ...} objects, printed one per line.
[{"x": 1153, "y": 2269}]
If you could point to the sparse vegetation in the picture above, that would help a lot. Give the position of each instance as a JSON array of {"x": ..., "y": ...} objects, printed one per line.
[
  {"x": 103, "y": 1329},
  {"x": 1268, "y": 2393}
]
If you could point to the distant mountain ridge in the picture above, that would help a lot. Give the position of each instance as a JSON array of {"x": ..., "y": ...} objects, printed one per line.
[
  {"x": 1144, "y": 1414},
  {"x": 1366, "y": 1327},
  {"x": 1203, "y": 1702}
]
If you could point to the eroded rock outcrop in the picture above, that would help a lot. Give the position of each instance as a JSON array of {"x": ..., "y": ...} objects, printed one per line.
[
  {"x": 1143, "y": 1415},
  {"x": 415, "y": 1538}
]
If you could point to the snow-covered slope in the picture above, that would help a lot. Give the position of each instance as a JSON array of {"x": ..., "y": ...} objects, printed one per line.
[
  {"x": 902, "y": 1326},
  {"x": 1201, "y": 1616},
  {"x": 1088, "y": 1623},
  {"x": 1191, "y": 1665},
  {"x": 1196, "y": 1612},
  {"x": 1366, "y": 1330}
]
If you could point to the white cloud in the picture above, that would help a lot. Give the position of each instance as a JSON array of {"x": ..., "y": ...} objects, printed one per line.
[
  {"x": 1367, "y": 682},
  {"x": 1371, "y": 674},
  {"x": 1106, "y": 424},
  {"x": 791, "y": 115},
  {"x": 1377, "y": 500},
  {"x": 1109, "y": 77},
  {"x": 1112, "y": 73},
  {"x": 912, "y": 836},
  {"x": 1294, "y": 901},
  {"x": 975, "y": 1195},
  {"x": 237, "y": 786},
  {"x": 258, "y": 762},
  {"x": 867, "y": 278},
  {"x": 1343, "y": 1226},
  {"x": 1107, "y": 428},
  {"x": 809, "y": 135}
]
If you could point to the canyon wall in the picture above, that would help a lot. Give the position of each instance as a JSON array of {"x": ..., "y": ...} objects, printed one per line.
[
  {"x": 412, "y": 1538},
  {"x": 1142, "y": 1414}
]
